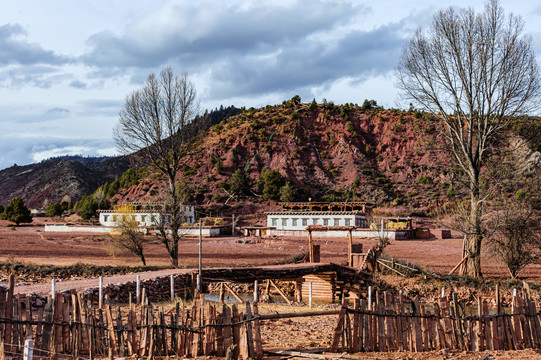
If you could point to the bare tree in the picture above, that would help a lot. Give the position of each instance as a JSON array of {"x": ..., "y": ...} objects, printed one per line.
[
  {"x": 157, "y": 121},
  {"x": 129, "y": 236},
  {"x": 517, "y": 238},
  {"x": 474, "y": 72}
]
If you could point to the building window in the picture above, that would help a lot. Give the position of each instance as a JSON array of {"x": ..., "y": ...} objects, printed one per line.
[
  {"x": 325, "y": 222},
  {"x": 315, "y": 221},
  {"x": 284, "y": 222},
  {"x": 274, "y": 222},
  {"x": 304, "y": 222},
  {"x": 114, "y": 218},
  {"x": 336, "y": 222},
  {"x": 347, "y": 222},
  {"x": 105, "y": 217},
  {"x": 294, "y": 222}
]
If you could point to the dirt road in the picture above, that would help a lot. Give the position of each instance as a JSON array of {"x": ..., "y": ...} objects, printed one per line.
[{"x": 81, "y": 284}]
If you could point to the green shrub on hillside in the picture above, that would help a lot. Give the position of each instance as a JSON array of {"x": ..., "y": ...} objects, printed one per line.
[{"x": 270, "y": 183}]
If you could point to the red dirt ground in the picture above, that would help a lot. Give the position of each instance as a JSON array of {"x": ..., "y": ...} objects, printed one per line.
[{"x": 31, "y": 244}]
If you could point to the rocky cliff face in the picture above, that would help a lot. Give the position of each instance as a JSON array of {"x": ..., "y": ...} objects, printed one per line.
[{"x": 327, "y": 152}]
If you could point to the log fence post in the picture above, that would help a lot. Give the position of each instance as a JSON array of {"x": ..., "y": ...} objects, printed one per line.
[{"x": 138, "y": 289}]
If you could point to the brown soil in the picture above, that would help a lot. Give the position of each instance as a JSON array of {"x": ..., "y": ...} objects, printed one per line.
[{"x": 31, "y": 244}]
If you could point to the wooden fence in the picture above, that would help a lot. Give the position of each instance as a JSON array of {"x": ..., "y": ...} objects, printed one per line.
[
  {"x": 71, "y": 326},
  {"x": 390, "y": 324}
]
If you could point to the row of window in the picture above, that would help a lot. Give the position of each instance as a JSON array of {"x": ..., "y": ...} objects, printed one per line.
[
  {"x": 315, "y": 221},
  {"x": 144, "y": 218}
]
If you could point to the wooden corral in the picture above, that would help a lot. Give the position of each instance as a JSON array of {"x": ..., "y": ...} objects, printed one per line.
[{"x": 329, "y": 281}]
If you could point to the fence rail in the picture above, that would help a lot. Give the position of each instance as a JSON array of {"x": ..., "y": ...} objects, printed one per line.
[
  {"x": 390, "y": 324},
  {"x": 70, "y": 325}
]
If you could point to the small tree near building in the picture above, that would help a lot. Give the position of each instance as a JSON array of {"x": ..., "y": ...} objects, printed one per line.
[
  {"x": 287, "y": 192},
  {"x": 87, "y": 207},
  {"x": 128, "y": 235},
  {"x": 17, "y": 212}
]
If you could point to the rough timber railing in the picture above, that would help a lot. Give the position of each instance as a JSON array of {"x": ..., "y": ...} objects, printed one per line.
[{"x": 71, "y": 326}]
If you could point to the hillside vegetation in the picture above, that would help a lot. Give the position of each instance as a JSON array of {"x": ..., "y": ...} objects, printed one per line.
[{"x": 323, "y": 152}]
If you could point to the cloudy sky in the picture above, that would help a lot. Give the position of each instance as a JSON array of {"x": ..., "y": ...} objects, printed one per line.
[{"x": 67, "y": 66}]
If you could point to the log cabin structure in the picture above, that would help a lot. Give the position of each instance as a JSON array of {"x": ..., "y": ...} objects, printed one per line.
[{"x": 329, "y": 281}]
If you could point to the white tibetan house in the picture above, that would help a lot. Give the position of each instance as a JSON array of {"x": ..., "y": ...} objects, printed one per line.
[
  {"x": 147, "y": 215},
  {"x": 298, "y": 216}
]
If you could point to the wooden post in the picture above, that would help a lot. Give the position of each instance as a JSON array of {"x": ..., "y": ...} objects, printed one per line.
[
  {"x": 369, "y": 297},
  {"x": 481, "y": 327},
  {"x": 310, "y": 246},
  {"x": 172, "y": 287},
  {"x": 350, "y": 248},
  {"x": 28, "y": 349},
  {"x": 9, "y": 314},
  {"x": 222, "y": 292},
  {"x": 100, "y": 293},
  {"x": 310, "y": 294},
  {"x": 233, "y": 226},
  {"x": 256, "y": 291},
  {"x": 516, "y": 322},
  {"x": 248, "y": 328},
  {"x": 258, "y": 348},
  {"x": 199, "y": 274},
  {"x": 53, "y": 288},
  {"x": 138, "y": 290},
  {"x": 339, "y": 330}
]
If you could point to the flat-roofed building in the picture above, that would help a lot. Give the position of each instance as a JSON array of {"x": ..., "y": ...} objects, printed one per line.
[
  {"x": 147, "y": 215},
  {"x": 298, "y": 216}
]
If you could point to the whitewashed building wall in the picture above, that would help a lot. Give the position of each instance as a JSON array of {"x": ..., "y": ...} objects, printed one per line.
[
  {"x": 145, "y": 218},
  {"x": 300, "y": 220}
]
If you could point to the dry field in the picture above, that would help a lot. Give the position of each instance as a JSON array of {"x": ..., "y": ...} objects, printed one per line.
[{"x": 31, "y": 244}]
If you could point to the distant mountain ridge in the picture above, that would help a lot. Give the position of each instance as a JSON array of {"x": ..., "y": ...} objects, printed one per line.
[
  {"x": 70, "y": 177},
  {"x": 60, "y": 178}
]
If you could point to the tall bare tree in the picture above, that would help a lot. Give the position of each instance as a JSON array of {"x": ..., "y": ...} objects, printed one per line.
[
  {"x": 474, "y": 71},
  {"x": 157, "y": 122}
]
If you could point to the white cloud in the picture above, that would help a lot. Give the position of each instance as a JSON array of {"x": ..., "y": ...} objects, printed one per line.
[{"x": 66, "y": 79}]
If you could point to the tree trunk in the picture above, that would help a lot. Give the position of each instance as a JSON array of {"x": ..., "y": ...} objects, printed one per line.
[
  {"x": 175, "y": 221},
  {"x": 475, "y": 237}
]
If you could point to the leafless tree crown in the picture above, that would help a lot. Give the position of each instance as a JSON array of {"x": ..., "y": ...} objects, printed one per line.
[
  {"x": 474, "y": 70},
  {"x": 156, "y": 119}
]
